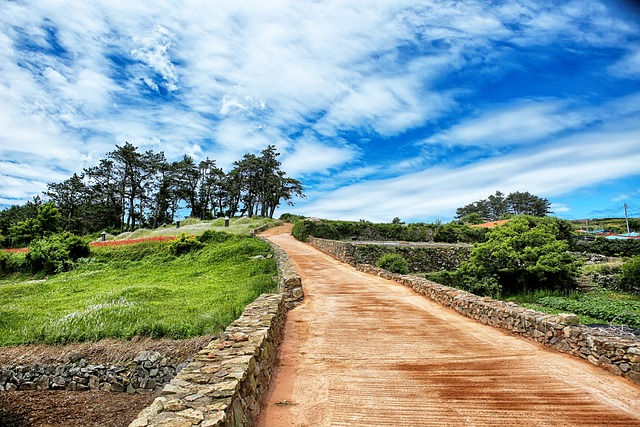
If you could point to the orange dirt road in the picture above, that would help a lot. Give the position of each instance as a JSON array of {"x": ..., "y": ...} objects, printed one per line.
[{"x": 365, "y": 351}]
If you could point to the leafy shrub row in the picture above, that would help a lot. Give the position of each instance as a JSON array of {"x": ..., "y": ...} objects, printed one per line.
[
  {"x": 363, "y": 230},
  {"x": 607, "y": 247}
]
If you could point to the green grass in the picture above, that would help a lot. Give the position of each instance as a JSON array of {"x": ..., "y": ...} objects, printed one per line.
[
  {"x": 138, "y": 289},
  {"x": 238, "y": 226},
  {"x": 599, "y": 306}
]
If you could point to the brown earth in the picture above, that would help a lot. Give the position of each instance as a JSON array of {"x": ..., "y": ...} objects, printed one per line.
[
  {"x": 87, "y": 409},
  {"x": 365, "y": 351}
]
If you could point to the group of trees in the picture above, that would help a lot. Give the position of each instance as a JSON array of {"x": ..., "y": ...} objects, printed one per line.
[
  {"x": 130, "y": 189},
  {"x": 499, "y": 206}
]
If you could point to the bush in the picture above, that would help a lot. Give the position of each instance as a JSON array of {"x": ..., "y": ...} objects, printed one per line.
[
  {"x": 521, "y": 255},
  {"x": 630, "y": 275},
  {"x": 184, "y": 245},
  {"x": 212, "y": 236},
  {"x": 394, "y": 263},
  {"x": 607, "y": 247},
  {"x": 55, "y": 254}
]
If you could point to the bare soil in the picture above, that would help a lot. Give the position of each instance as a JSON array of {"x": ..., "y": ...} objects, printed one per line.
[
  {"x": 365, "y": 351},
  {"x": 87, "y": 409}
]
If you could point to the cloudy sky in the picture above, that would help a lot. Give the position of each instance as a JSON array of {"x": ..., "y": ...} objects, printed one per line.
[{"x": 382, "y": 108}]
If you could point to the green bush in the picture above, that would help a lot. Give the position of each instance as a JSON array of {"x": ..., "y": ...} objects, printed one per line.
[
  {"x": 394, "y": 263},
  {"x": 185, "y": 244},
  {"x": 213, "y": 236},
  {"x": 608, "y": 247},
  {"x": 55, "y": 253},
  {"x": 630, "y": 275},
  {"x": 362, "y": 230},
  {"x": 521, "y": 255}
]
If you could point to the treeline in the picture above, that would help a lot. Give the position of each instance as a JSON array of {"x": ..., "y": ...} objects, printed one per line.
[
  {"x": 498, "y": 206},
  {"x": 364, "y": 230},
  {"x": 129, "y": 189}
]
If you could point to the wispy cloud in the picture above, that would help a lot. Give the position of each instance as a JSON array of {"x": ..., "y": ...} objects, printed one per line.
[{"x": 390, "y": 98}]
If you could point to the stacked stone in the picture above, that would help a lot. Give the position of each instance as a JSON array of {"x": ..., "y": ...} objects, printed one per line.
[
  {"x": 147, "y": 374},
  {"x": 225, "y": 383},
  {"x": 289, "y": 282},
  {"x": 419, "y": 256},
  {"x": 618, "y": 354}
]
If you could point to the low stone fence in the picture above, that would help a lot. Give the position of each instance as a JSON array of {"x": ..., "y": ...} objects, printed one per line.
[
  {"x": 146, "y": 374},
  {"x": 618, "y": 354},
  {"x": 289, "y": 282},
  {"x": 419, "y": 256},
  {"x": 225, "y": 383}
]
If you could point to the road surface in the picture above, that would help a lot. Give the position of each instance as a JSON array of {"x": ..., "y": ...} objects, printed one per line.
[{"x": 365, "y": 351}]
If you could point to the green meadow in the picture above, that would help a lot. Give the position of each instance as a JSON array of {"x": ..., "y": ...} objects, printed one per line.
[{"x": 141, "y": 289}]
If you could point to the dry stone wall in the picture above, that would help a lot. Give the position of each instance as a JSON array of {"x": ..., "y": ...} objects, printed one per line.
[
  {"x": 223, "y": 386},
  {"x": 419, "y": 256},
  {"x": 146, "y": 374},
  {"x": 289, "y": 282},
  {"x": 619, "y": 353},
  {"x": 225, "y": 383}
]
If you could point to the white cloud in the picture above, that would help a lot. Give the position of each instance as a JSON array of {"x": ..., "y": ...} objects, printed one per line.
[
  {"x": 575, "y": 162},
  {"x": 517, "y": 123},
  {"x": 308, "y": 157},
  {"x": 154, "y": 52},
  {"x": 629, "y": 66}
]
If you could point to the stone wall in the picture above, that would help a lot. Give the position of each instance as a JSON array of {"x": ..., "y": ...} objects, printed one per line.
[
  {"x": 618, "y": 353},
  {"x": 289, "y": 282},
  {"x": 225, "y": 383},
  {"x": 419, "y": 256},
  {"x": 146, "y": 374}
]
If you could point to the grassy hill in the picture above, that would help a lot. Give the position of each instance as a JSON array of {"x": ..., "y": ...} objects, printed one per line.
[{"x": 142, "y": 289}]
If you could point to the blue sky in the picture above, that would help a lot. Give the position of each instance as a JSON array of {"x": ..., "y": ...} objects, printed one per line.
[{"x": 381, "y": 108}]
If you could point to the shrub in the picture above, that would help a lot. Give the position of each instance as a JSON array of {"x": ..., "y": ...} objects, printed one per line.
[
  {"x": 184, "y": 245},
  {"x": 55, "y": 253},
  {"x": 212, "y": 236},
  {"x": 394, "y": 263},
  {"x": 521, "y": 255},
  {"x": 630, "y": 275}
]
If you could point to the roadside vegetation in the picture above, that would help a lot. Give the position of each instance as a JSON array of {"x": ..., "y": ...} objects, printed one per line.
[
  {"x": 174, "y": 283},
  {"x": 528, "y": 260}
]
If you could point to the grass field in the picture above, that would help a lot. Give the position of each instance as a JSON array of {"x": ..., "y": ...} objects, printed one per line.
[
  {"x": 140, "y": 289},
  {"x": 596, "y": 307}
]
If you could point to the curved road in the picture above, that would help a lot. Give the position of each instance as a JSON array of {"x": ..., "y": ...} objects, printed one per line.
[{"x": 365, "y": 351}]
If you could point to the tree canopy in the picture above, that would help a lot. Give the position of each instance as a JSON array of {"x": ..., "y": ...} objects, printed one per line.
[
  {"x": 129, "y": 189},
  {"x": 525, "y": 254},
  {"x": 498, "y": 206}
]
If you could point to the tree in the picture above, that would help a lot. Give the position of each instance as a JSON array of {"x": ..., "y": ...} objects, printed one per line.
[
  {"x": 498, "y": 206},
  {"x": 46, "y": 222},
  {"x": 524, "y": 254}
]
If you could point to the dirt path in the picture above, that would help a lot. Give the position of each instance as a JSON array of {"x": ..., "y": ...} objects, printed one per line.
[{"x": 365, "y": 351}]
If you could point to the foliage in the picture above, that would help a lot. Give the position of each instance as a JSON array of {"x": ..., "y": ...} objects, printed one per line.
[
  {"x": 213, "y": 236},
  {"x": 614, "y": 308},
  {"x": 185, "y": 244},
  {"x": 131, "y": 189},
  {"x": 120, "y": 293},
  {"x": 55, "y": 254},
  {"x": 630, "y": 275},
  {"x": 289, "y": 217},
  {"x": 498, "y": 206},
  {"x": 394, "y": 263},
  {"x": 521, "y": 255},
  {"x": 362, "y": 230},
  {"x": 472, "y": 218},
  {"x": 460, "y": 233},
  {"x": 607, "y": 247},
  {"x": 45, "y": 223}
]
